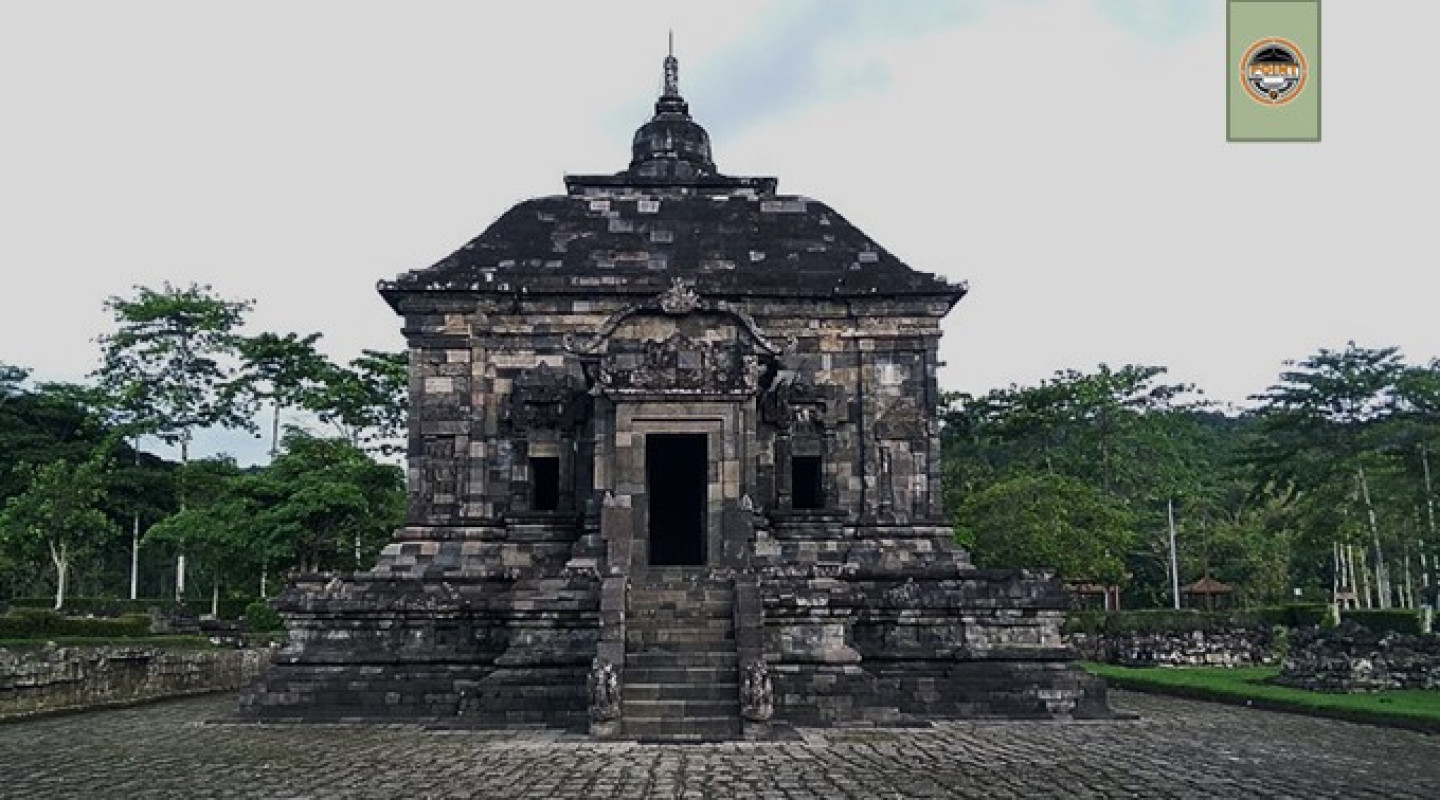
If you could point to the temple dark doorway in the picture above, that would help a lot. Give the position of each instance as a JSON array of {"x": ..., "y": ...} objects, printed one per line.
[
  {"x": 806, "y": 483},
  {"x": 545, "y": 483},
  {"x": 677, "y": 481}
]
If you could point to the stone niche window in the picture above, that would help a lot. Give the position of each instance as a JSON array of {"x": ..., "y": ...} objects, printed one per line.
[
  {"x": 807, "y": 490},
  {"x": 545, "y": 483}
]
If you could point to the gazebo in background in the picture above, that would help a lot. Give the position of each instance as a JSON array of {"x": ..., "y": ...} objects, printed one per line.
[
  {"x": 1207, "y": 593},
  {"x": 1086, "y": 596}
]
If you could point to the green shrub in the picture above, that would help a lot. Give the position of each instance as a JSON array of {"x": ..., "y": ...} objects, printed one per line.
[
  {"x": 1159, "y": 621},
  {"x": 1390, "y": 620},
  {"x": 1084, "y": 622},
  {"x": 1308, "y": 615},
  {"x": 260, "y": 618},
  {"x": 1141, "y": 621},
  {"x": 1291, "y": 615},
  {"x": 97, "y": 606},
  {"x": 37, "y": 623},
  {"x": 1187, "y": 620},
  {"x": 1279, "y": 642},
  {"x": 229, "y": 607},
  {"x": 31, "y": 602}
]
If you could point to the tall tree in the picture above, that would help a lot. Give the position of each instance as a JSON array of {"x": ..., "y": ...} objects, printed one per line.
[
  {"x": 1123, "y": 432},
  {"x": 328, "y": 504},
  {"x": 40, "y": 424},
  {"x": 1096, "y": 427},
  {"x": 1321, "y": 427},
  {"x": 11, "y": 379},
  {"x": 169, "y": 365},
  {"x": 1416, "y": 441},
  {"x": 48, "y": 422},
  {"x": 282, "y": 371},
  {"x": 215, "y": 527},
  {"x": 171, "y": 359},
  {"x": 140, "y": 489},
  {"x": 1050, "y": 521},
  {"x": 366, "y": 400},
  {"x": 58, "y": 514}
]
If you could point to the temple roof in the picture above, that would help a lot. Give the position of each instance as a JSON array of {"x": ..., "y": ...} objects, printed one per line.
[
  {"x": 1207, "y": 585},
  {"x": 671, "y": 214}
]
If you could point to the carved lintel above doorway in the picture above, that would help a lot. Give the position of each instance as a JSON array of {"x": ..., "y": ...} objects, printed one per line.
[
  {"x": 678, "y": 364},
  {"x": 680, "y": 300}
]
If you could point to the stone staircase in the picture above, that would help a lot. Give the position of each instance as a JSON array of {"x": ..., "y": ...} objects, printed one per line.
[{"x": 681, "y": 679}]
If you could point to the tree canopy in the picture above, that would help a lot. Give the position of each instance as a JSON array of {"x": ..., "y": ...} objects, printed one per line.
[{"x": 72, "y": 474}]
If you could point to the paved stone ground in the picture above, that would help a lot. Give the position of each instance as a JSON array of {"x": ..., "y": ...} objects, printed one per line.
[{"x": 1178, "y": 749}]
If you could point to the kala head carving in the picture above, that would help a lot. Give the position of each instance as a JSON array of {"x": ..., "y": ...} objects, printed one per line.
[{"x": 681, "y": 298}]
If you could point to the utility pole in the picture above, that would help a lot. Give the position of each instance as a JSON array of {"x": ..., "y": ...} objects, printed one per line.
[
  {"x": 135, "y": 557},
  {"x": 1174, "y": 560},
  {"x": 135, "y": 533}
]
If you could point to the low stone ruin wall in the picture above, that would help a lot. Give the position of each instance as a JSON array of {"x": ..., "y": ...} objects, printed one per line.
[
  {"x": 50, "y": 679},
  {"x": 1237, "y": 647},
  {"x": 1353, "y": 659}
]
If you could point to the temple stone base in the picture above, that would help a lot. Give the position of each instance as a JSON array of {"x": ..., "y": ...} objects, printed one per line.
[{"x": 700, "y": 653}]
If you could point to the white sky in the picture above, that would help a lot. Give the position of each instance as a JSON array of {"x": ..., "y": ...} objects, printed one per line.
[{"x": 1067, "y": 157}]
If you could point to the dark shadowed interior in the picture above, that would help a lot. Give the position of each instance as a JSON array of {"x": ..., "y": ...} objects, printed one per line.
[
  {"x": 805, "y": 476},
  {"x": 545, "y": 483},
  {"x": 676, "y": 467}
]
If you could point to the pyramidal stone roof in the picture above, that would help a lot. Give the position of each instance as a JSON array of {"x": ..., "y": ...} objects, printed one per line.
[{"x": 672, "y": 215}]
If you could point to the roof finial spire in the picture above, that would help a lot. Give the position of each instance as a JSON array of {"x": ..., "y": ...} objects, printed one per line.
[{"x": 672, "y": 71}]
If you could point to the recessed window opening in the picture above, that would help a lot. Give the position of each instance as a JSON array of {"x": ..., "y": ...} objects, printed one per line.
[
  {"x": 806, "y": 489},
  {"x": 545, "y": 483}
]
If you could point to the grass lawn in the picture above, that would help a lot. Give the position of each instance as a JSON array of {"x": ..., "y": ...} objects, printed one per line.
[{"x": 1410, "y": 708}]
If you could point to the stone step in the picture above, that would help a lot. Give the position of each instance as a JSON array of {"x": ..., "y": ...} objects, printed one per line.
[
  {"x": 644, "y": 638},
  {"x": 682, "y": 676},
  {"x": 719, "y": 625},
  {"x": 682, "y": 601},
  {"x": 668, "y": 581},
  {"x": 662, "y": 574},
  {"x": 672, "y": 657},
  {"x": 640, "y": 607},
  {"x": 714, "y": 729},
  {"x": 681, "y": 709},
  {"x": 653, "y": 653},
  {"x": 726, "y": 692},
  {"x": 663, "y": 638},
  {"x": 639, "y": 611}
]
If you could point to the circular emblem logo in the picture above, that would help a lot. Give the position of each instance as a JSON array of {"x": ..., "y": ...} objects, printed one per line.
[{"x": 1273, "y": 71}]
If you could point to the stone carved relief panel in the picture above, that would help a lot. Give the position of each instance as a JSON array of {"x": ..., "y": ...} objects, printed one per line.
[
  {"x": 902, "y": 418},
  {"x": 796, "y": 401},
  {"x": 440, "y": 470},
  {"x": 678, "y": 363},
  {"x": 548, "y": 398}
]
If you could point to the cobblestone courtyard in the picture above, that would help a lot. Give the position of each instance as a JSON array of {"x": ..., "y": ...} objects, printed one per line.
[{"x": 1178, "y": 749}]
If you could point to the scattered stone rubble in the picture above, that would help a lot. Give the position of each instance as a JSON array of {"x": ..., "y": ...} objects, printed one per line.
[
  {"x": 1237, "y": 647},
  {"x": 1353, "y": 659}
]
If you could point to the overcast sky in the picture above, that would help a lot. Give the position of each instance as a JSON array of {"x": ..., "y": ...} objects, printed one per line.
[{"x": 1066, "y": 157}]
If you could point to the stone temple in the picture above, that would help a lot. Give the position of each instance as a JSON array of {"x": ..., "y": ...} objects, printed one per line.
[{"x": 674, "y": 474}]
